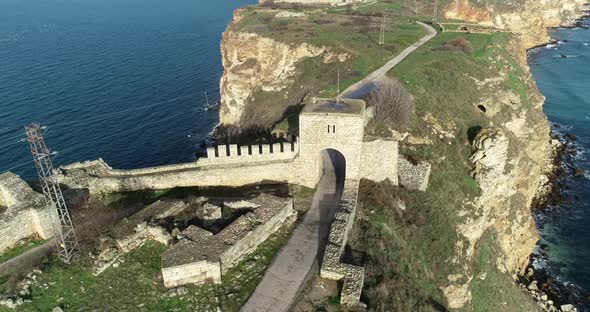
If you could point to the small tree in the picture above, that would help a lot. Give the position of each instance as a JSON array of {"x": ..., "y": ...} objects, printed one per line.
[{"x": 391, "y": 103}]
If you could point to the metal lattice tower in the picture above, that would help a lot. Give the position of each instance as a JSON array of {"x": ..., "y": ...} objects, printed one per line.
[
  {"x": 65, "y": 235},
  {"x": 382, "y": 31},
  {"x": 435, "y": 12}
]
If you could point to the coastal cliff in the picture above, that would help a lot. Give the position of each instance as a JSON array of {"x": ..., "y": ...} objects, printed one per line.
[
  {"x": 253, "y": 63},
  {"x": 529, "y": 19},
  {"x": 478, "y": 120}
]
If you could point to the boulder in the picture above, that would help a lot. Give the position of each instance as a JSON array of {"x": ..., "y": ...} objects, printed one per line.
[
  {"x": 568, "y": 308},
  {"x": 211, "y": 212}
]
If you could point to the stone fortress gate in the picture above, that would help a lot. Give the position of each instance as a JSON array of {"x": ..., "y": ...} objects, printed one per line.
[{"x": 324, "y": 124}]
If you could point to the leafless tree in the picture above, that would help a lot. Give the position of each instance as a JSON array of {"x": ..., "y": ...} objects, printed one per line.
[{"x": 391, "y": 103}]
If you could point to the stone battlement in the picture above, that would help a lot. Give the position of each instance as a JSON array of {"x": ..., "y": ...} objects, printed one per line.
[{"x": 228, "y": 154}]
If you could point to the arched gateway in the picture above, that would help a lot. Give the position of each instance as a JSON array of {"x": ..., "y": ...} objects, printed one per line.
[{"x": 328, "y": 124}]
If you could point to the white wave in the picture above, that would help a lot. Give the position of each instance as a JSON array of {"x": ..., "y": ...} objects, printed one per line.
[
  {"x": 551, "y": 45},
  {"x": 585, "y": 43}
]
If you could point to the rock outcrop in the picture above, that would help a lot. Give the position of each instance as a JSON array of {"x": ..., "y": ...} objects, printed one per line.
[
  {"x": 528, "y": 18},
  {"x": 254, "y": 63}
]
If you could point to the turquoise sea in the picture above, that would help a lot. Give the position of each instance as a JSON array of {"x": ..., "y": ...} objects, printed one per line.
[
  {"x": 562, "y": 72},
  {"x": 121, "y": 80}
]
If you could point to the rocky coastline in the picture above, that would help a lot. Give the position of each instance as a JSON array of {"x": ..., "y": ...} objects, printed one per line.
[{"x": 550, "y": 294}]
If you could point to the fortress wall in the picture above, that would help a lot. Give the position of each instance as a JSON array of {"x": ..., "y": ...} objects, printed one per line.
[
  {"x": 107, "y": 181},
  {"x": 380, "y": 160},
  {"x": 414, "y": 177},
  {"x": 320, "y": 131},
  {"x": 15, "y": 225},
  {"x": 192, "y": 273},
  {"x": 332, "y": 268},
  {"x": 253, "y": 239},
  {"x": 26, "y": 213},
  {"x": 234, "y": 154}
]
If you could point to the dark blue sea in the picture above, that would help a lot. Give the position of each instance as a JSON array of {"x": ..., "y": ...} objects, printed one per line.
[
  {"x": 119, "y": 79},
  {"x": 562, "y": 72}
]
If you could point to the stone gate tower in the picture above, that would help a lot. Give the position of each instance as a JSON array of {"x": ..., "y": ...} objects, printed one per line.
[{"x": 329, "y": 124}]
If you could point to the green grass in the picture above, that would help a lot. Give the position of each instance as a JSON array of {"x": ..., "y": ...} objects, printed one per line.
[
  {"x": 497, "y": 291},
  {"x": 136, "y": 285},
  {"x": 409, "y": 252},
  {"x": 19, "y": 250},
  {"x": 356, "y": 36}
]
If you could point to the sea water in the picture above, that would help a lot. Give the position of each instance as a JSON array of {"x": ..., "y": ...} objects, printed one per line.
[
  {"x": 562, "y": 72},
  {"x": 121, "y": 80}
]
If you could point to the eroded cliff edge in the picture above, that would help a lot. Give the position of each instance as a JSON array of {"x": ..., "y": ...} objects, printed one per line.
[{"x": 478, "y": 120}]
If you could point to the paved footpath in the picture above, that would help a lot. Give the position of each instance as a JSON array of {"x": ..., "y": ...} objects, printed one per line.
[
  {"x": 362, "y": 87},
  {"x": 286, "y": 275},
  {"x": 284, "y": 278}
]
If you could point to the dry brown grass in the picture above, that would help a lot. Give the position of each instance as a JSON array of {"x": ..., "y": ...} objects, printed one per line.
[{"x": 459, "y": 45}]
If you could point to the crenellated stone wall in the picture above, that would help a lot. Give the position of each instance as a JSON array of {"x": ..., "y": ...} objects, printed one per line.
[
  {"x": 324, "y": 124},
  {"x": 235, "y": 154}
]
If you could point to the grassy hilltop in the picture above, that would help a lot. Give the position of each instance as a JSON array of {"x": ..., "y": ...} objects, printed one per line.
[{"x": 461, "y": 83}]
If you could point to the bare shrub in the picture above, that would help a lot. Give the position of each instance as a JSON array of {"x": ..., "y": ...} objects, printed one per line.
[
  {"x": 391, "y": 103},
  {"x": 266, "y": 19},
  {"x": 459, "y": 45},
  {"x": 267, "y": 4},
  {"x": 322, "y": 21}
]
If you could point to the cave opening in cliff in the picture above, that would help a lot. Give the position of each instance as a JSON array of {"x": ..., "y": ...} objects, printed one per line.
[{"x": 482, "y": 108}]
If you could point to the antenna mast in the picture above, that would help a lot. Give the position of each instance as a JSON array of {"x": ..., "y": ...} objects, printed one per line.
[
  {"x": 338, "y": 94},
  {"x": 435, "y": 12},
  {"x": 382, "y": 31},
  {"x": 65, "y": 236}
]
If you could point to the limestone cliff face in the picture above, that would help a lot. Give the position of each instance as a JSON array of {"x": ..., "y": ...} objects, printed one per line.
[
  {"x": 509, "y": 159},
  {"x": 252, "y": 63},
  {"x": 528, "y": 18}
]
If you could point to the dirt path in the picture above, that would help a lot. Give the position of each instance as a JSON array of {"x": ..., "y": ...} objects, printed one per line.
[
  {"x": 27, "y": 260},
  {"x": 287, "y": 274},
  {"x": 363, "y": 87},
  {"x": 285, "y": 277}
]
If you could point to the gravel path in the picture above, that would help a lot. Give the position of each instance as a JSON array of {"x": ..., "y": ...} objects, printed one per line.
[{"x": 363, "y": 87}]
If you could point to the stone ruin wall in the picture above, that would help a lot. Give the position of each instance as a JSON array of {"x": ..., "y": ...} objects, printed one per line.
[
  {"x": 414, "y": 176},
  {"x": 211, "y": 270},
  {"x": 253, "y": 239},
  {"x": 26, "y": 214},
  {"x": 332, "y": 268},
  {"x": 192, "y": 273},
  {"x": 379, "y": 160},
  {"x": 99, "y": 178}
]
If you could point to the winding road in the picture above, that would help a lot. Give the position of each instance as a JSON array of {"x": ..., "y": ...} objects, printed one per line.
[
  {"x": 364, "y": 86},
  {"x": 286, "y": 276}
]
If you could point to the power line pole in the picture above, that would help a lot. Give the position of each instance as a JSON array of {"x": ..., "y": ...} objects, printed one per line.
[
  {"x": 65, "y": 235},
  {"x": 435, "y": 12},
  {"x": 338, "y": 94},
  {"x": 382, "y": 31}
]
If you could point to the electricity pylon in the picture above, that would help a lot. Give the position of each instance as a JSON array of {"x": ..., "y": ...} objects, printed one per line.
[{"x": 65, "y": 235}]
